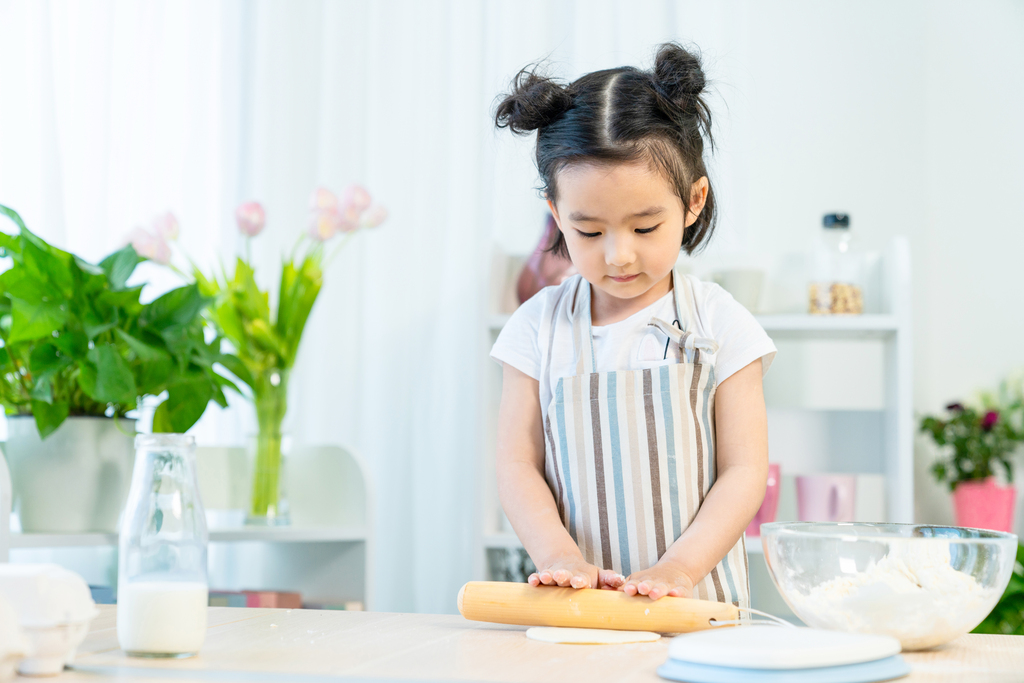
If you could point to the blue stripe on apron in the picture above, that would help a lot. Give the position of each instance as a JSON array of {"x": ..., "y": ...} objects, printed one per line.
[
  {"x": 670, "y": 444},
  {"x": 560, "y": 415},
  {"x": 620, "y": 495}
]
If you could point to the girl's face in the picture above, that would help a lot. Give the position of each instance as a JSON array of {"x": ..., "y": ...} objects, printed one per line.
[{"x": 623, "y": 225}]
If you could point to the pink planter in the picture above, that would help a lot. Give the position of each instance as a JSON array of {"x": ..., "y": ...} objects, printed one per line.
[
  {"x": 984, "y": 505},
  {"x": 770, "y": 505}
]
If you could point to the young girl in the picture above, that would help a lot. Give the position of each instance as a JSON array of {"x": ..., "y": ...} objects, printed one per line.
[{"x": 632, "y": 439}]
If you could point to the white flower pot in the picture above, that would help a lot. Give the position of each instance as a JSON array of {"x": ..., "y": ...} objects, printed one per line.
[{"x": 74, "y": 481}]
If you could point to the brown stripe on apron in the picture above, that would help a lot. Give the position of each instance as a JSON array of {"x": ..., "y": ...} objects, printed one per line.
[
  {"x": 694, "y": 387},
  {"x": 602, "y": 493},
  {"x": 652, "y": 453},
  {"x": 636, "y": 468}
]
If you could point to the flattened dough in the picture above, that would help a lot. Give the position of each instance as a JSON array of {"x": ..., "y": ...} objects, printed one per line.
[{"x": 588, "y": 636}]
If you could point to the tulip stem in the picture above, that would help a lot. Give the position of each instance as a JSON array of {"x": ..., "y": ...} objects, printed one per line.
[{"x": 337, "y": 249}]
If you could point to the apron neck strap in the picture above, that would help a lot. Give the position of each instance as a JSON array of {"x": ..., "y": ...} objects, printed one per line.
[
  {"x": 582, "y": 332},
  {"x": 582, "y": 327}
]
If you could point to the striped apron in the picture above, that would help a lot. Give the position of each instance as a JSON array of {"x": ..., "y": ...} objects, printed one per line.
[{"x": 630, "y": 455}]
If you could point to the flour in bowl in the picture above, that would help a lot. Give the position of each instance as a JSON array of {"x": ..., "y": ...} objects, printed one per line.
[{"x": 913, "y": 594}]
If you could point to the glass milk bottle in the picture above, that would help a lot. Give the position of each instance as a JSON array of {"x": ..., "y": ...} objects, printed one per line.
[{"x": 162, "y": 589}]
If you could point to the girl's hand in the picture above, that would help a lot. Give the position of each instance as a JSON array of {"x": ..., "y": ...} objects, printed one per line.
[
  {"x": 577, "y": 573},
  {"x": 664, "y": 578}
]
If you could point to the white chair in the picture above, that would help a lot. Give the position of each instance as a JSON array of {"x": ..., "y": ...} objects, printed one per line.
[{"x": 324, "y": 553}]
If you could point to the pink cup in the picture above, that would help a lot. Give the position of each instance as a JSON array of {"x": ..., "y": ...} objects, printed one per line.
[
  {"x": 771, "y": 502},
  {"x": 826, "y": 497}
]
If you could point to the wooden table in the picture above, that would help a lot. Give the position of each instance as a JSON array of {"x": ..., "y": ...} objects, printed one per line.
[{"x": 309, "y": 645}]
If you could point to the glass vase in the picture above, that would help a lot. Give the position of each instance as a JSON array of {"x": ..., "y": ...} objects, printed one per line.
[
  {"x": 268, "y": 463},
  {"x": 268, "y": 504}
]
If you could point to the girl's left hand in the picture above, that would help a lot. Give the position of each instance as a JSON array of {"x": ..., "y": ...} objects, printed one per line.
[{"x": 664, "y": 578}]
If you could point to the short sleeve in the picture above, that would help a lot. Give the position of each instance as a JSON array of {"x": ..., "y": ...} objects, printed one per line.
[
  {"x": 518, "y": 343},
  {"x": 741, "y": 339}
]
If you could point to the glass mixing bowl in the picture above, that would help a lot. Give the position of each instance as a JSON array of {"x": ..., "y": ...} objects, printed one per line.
[{"x": 924, "y": 585}]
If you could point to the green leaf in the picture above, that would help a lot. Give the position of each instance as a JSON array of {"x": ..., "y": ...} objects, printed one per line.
[
  {"x": 153, "y": 365},
  {"x": 299, "y": 290},
  {"x": 47, "y": 359},
  {"x": 179, "y": 306},
  {"x": 236, "y": 367},
  {"x": 18, "y": 284},
  {"x": 89, "y": 269},
  {"x": 34, "y": 321},
  {"x": 106, "y": 377},
  {"x": 13, "y": 215},
  {"x": 49, "y": 417},
  {"x": 43, "y": 390},
  {"x": 46, "y": 263},
  {"x": 95, "y": 323},
  {"x": 72, "y": 343},
  {"x": 187, "y": 398},
  {"x": 127, "y": 299},
  {"x": 119, "y": 266}
]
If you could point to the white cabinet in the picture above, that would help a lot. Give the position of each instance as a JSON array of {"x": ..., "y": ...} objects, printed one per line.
[{"x": 839, "y": 396}]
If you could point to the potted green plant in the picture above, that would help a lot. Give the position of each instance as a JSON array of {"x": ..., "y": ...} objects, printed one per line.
[
  {"x": 978, "y": 440},
  {"x": 79, "y": 352},
  {"x": 266, "y": 341}
]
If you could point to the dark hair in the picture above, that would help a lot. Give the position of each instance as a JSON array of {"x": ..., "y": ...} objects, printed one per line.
[{"x": 620, "y": 115}]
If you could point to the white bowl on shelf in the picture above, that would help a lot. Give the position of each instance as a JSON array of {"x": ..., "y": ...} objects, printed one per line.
[{"x": 54, "y": 608}]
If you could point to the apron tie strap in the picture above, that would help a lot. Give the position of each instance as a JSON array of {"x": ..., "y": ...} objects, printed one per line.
[{"x": 686, "y": 340}]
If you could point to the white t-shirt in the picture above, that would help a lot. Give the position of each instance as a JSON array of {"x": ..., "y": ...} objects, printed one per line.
[{"x": 630, "y": 344}]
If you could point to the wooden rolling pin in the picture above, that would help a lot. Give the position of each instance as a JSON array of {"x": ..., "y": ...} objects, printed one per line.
[{"x": 523, "y": 604}]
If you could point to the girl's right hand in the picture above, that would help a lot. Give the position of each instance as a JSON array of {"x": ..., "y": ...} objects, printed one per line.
[{"x": 577, "y": 573}]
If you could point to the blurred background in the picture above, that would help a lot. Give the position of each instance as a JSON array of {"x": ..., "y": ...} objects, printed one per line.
[{"x": 906, "y": 116}]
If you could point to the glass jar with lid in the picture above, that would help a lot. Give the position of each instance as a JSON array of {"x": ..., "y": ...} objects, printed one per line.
[
  {"x": 837, "y": 271},
  {"x": 162, "y": 587}
]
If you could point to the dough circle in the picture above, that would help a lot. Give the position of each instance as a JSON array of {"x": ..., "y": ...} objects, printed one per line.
[{"x": 588, "y": 636}]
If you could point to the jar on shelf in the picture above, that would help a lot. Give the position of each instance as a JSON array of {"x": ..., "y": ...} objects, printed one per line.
[
  {"x": 162, "y": 586},
  {"x": 837, "y": 271}
]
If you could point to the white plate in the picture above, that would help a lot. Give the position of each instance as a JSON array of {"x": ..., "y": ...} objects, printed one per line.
[{"x": 779, "y": 647}]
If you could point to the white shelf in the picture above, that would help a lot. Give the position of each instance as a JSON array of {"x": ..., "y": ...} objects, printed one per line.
[
  {"x": 266, "y": 535},
  {"x": 856, "y": 326},
  {"x": 825, "y": 325}
]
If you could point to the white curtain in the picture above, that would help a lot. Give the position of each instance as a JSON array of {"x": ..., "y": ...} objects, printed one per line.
[{"x": 115, "y": 111}]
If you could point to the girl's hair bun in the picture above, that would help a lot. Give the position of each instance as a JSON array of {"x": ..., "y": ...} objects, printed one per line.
[
  {"x": 678, "y": 73},
  {"x": 534, "y": 101},
  {"x": 679, "y": 81}
]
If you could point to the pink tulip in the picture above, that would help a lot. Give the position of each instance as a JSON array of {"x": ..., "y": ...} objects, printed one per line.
[
  {"x": 150, "y": 246},
  {"x": 250, "y": 218},
  {"x": 357, "y": 198},
  {"x": 166, "y": 226},
  {"x": 323, "y": 199},
  {"x": 324, "y": 224},
  {"x": 374, "y": 216}
]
